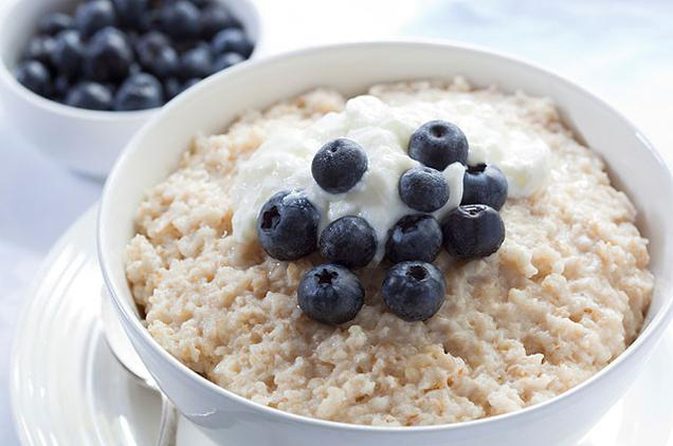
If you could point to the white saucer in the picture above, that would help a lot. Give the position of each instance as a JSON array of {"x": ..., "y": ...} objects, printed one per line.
[{"x": 67, "y": 389}]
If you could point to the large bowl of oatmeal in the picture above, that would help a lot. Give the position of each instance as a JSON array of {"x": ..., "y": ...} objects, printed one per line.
[{"x": 533, "y": 343}]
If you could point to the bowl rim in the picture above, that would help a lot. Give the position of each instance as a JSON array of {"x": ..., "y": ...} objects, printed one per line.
[
  {"x": 54, "y": 107},
  {"x": 656, "y": 325}
]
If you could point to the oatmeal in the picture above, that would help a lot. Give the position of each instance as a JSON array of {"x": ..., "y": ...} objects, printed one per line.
[{"x": 564, "y": 295}]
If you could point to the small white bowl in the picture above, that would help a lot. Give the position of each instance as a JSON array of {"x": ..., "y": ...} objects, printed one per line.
[
  {"x": 85, "y": 141},
  {"x": 227, "y": 418}
]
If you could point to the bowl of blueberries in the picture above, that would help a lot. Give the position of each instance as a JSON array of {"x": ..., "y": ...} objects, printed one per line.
[{"x": 78, "y": 78}]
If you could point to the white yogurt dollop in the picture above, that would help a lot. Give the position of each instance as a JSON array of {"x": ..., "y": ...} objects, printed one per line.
[{"x": 283, "y": 161}]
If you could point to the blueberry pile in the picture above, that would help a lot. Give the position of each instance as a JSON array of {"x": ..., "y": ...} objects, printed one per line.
[
  {"x": 413, "y": 288},
  {"x": 130, "y": 54}
]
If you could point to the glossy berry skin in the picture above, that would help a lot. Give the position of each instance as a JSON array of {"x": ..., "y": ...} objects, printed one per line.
[
  {"x": 147, "y": 45},
  {"x": 151, "y": 40},
  {"x": 226, "y": 60},
  {"x": 414, "y": 237},
  {"x": 130, "y": 13},
  {"x": 94, "y": 15},
  {"x": 437, "y": 144},
  {"x": 108, "y": 56},
  {"x": 156, "y": 55},
  {"x": 151, "y": 21},
  {"x": 472, "y": 231},
  {"x": 484, "y": 184},
  {"x": 330, "y": 294},
  {"x": 90, "y": 95},
  {"x": 135, "y": 69},
  {"x": 339, "y": 165},
  {"x": 40, "y": 49},
  {"x": 172, "y": 88},
  {"x": 66, "y": 56},
  {"x": 414, "y": 291},
  {"x": 189, "y": 83},
  {"x": 423, "y": 189},
  {"x": 180, "y": 19},
  {"x": 62, "y": 85},
  {"x": 213, "y": 19},
  {"x": 348, "y": 241},
  {"x": 34, "y": 76},
  {"x": 197, "y": 62},
  {"x": 53, "y": 23},
  {"x": 139, "y": 92},
  {"x": 232, "y": 40},
  {"x": 287, "y": 226},
  {"x": 202, "y": 3}
]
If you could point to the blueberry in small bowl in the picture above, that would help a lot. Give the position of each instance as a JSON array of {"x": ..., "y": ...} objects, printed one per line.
[{"x": 66, "y": 67}]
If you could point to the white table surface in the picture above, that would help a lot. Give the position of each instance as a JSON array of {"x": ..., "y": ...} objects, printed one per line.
[{"x": 620, "y": 49}]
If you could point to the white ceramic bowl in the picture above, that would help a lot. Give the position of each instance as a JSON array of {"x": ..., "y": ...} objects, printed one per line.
[
  {"x": 85, "y": 141},
  {"x": 154, "y": 151}
]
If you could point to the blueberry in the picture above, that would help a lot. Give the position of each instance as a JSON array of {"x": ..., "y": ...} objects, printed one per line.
[
  {"x": 67, "y": 54},
  {"x": 189, "y": 83},
  {"x": 202, "y": 3},
  {"x": 139, "y": 92},
  {"x": 473, "y": 231},
  {"x": 232, "y": 40},
  {"x": 108, "y": 56},
  {"x": 226, "y": 60},
  {"x": 90, "y": 95},
  {"x": 214, "y": 18},
  {"x": 484, "y": 184},
  {"x": 182, "y": 46},
  {"x": 287, "y": 226},
  {"x": 53, "y": 23},
  {"x": 132, "y": 38},
  {"x": 180, "y": 19},
  {"x": 414, "y": 290},
  {"x": 438, "y": 144},
  {"x": 40, "y": 48},
  {"x": 152, "y": 40},
  {"x": 130, "y": 12},
  {"x": 62, "y": 86},
  {"x": 414, "y": 237},
  {"x": 423, "y": 189},
  {"x": 339, "y": 165},
  {"x": 135, "y": 68},
  {"x": 151, "y": 20},
  {"x": 330, "y": 294},
  {"x": 172, "y": 88},
  {"x": 94, "y": 15},
  {"x": 156, "y": 55},
  {"x": 349, "y": 241},
  {"x": 34, "y": 76},
  {"x": 196, "y": 62}
]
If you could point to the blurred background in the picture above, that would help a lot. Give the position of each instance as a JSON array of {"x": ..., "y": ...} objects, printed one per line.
[{"x": 621, "y": 50}]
